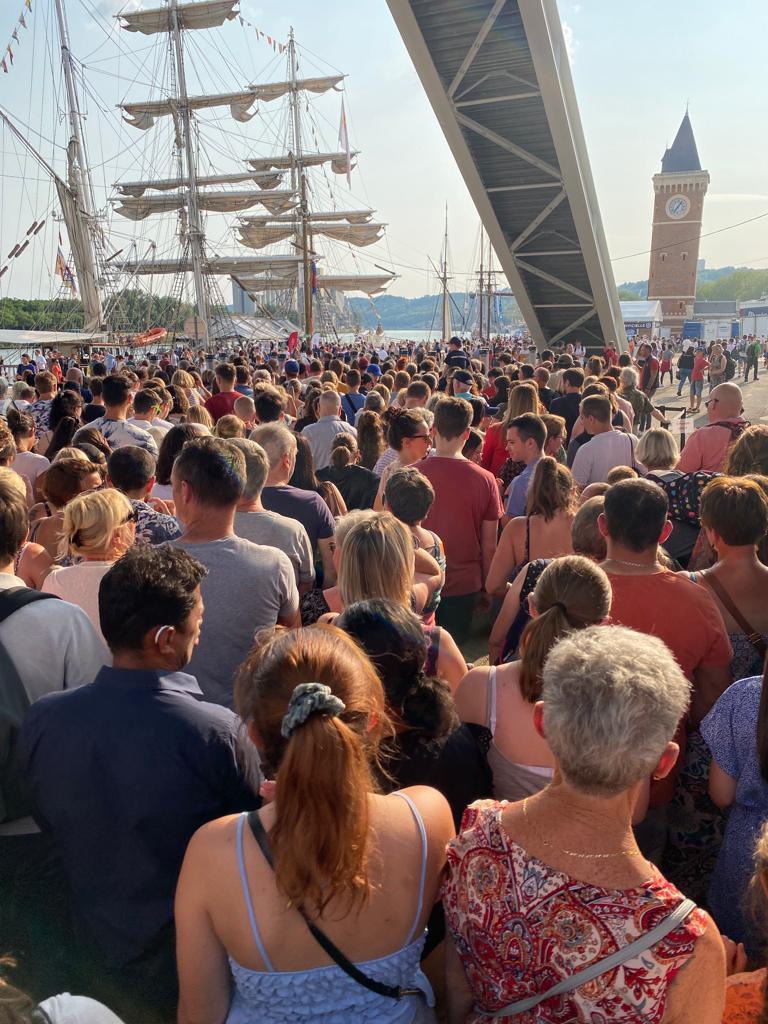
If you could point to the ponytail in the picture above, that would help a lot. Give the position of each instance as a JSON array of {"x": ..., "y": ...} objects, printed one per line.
[
  {"x": 552, "y": 490},
  {"x": 323, "y": 758},
  {"x": 343, "y": 451},
  {"x": 572, "y": 593},
  {"x": 320, "y": 836}
]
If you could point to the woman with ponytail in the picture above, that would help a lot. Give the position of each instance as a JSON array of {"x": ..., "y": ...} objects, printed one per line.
[
  {"x": 361, "y": 867},
  {"x": 572, "y": 593},
  {"x": 357, "y": 485},
  {"x": 430, "y": 746},
  {"x": 544, "y": 532}
]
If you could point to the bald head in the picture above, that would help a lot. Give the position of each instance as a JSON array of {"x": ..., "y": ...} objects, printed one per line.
[{"x": 725, "y": 402}]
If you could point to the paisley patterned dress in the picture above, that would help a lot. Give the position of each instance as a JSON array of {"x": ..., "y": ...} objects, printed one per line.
[{"x": 520, "y": 927}]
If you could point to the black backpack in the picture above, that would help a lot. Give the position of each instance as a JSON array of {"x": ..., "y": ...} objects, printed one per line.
[{"x": 730, "y": 366}]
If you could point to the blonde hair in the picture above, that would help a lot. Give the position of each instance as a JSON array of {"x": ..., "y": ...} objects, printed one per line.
[
  {"x": 200, "y": 415},
  {"x": 553, "y": 490},
  {"x": 13, "y": 479},
  {"x": 229, "y": 426},
  {"x": 658, "y": 449},
  {"x": 91, "y": 521},
  {"x": 70, "y": 453},
  {"x": 377, "y": 560},
  {"x": 182, "y": 379},
  {"x": 524, "y": 397}
]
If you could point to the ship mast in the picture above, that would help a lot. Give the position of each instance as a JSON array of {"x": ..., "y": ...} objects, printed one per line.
[
  {"x": 490, "y": 289},
  {"x": 301, "y": 175},
  {"x": 480, "y": 292},
  {"x": 447, "y": 328},
  {"x": 195, "y": 228},
  {"x": 82, "y": 207}
]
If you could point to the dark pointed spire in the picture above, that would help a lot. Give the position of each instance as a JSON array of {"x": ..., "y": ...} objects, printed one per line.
[{"x": 682, "y": 156}]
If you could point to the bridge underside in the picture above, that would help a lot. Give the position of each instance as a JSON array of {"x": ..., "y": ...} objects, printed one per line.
[{"x": 497, "y": 75}]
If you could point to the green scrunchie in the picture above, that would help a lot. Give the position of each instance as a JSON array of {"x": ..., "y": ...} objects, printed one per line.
[{"x": 308, "y": 699}]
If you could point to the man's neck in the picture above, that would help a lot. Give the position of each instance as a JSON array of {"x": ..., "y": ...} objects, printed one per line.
[
  {"x": 208, "y": 523},
  {"x": 449, "y": 449},
  {"x": 251, "y": 506},
  {"x": 623, "y": 561},
  {"x": 138, "y": 661},
  {"x": 8, "y": 568},
  {"x": 532, "y": 457},
  {"x": 143, "y": 416},
  {"x": 116, "y": 412},
  {"x": 276, "y": 479},
  {"x": 602, "y": 428},
  {"x": 226, "y": 390}
]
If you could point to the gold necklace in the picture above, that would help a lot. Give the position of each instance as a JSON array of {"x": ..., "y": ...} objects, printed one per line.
[{"x": 572, "y": 853}]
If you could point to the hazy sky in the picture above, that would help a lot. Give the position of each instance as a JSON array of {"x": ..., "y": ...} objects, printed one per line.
[{"x": 634, "y": 71}]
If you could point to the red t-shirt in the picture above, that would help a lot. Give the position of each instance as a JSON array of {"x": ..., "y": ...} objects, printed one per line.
[
  {"x": 677, "y": 611},
  {"x": 222, "y": 404},
  {"x": 494, "y": 449},
  {"x": 465, "y": 497}
]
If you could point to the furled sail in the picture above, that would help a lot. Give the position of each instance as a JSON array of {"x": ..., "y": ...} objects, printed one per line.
[
  {"x": 353, "y": 216},
  {"x": 241, "y": 266},
  {"x": 285, "y": 161},
  {"x": 208, "y": 14},
  {"x": 141, "y": 207},
  {"x": 82, "y": 252},
  {"x": 144, "y": 114},
  {"x": 258, "y": 235},
  {"x": 138, "y": 188},
  {"x": 371, "y": 284},
  {"x": 274, "y": 90}
]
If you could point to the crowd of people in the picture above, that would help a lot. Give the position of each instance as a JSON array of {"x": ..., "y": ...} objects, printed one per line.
[{"x": 358, "y": 686}]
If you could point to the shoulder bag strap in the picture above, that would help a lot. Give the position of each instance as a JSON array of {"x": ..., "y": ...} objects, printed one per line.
[
  {"x": 15, "y": 598},
  {"x": 754, "y": 637},
  {"x": 609, "y": 963},
  {"x": 346, "y": 965}
]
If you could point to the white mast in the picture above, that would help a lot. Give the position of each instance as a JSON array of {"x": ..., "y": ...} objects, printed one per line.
[
  {"x": 81, "y": 236},
  {"x": 195, "y": 229},
  {"x": 447, "y": 328},
  {"x": 299, "y": 177}
]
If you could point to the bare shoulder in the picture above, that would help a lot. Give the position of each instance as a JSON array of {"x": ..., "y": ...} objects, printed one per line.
[
  {"x": 697, "y": 995},
  {"x": 471, "y": 695},
  {"x": 212, "y": 840},
  {"x": 434, "y": 809}
]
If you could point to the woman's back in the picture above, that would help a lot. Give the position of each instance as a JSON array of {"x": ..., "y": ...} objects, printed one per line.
[
  {"x": 536, "y": 537},
  {"x": 564, "y": 924},
  {"x": 741, "y": 583},
  {"x": 519, "y": 758},
  {"x": 281, "y": 972}
]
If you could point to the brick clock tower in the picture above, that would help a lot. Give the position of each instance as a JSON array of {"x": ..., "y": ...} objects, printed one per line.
[{"x": 677, "y": 215}]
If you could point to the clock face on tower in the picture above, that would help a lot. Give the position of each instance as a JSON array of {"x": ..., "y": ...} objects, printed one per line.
[{"x": 678, "y": 206}]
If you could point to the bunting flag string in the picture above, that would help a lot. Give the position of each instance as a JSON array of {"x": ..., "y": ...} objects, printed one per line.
[
  {"x": 14, "y": 40},
  {"x": 277, "y": 46},
  {"x": 34, "y": 229}
]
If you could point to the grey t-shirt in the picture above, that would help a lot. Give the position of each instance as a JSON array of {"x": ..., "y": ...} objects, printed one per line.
[
  {"x": 279, "y": 532},
  {"x": 248, "y": 588}
]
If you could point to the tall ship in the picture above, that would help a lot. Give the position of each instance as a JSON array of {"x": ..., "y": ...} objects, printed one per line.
[{"x": 238, "y": 191}]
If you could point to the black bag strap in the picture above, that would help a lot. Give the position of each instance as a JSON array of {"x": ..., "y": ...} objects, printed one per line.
[
  {"x": 16, "y": 598},
  {"x": 390, "y": 991}
]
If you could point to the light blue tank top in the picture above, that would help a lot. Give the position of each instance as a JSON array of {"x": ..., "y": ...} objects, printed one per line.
[{"x": 326, "y": 995}]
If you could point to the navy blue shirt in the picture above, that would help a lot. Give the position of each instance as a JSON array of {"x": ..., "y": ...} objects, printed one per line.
[{"x": 122, "y": 772}]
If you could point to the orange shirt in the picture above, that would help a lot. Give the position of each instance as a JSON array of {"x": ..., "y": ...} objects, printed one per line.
[
  {"x": 677, "y": 611},
  {"x": 744, "y": 997}
]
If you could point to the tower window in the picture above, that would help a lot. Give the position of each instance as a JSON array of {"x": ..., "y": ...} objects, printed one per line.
[
  {"x": 685, "y": 256},
  {"x": 663, "y": 257}
]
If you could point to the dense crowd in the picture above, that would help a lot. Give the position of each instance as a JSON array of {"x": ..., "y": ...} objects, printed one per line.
[{"x": 357, "y": 685}]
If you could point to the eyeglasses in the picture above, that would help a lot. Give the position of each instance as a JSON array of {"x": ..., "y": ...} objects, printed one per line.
[
  {"x": 421, "y": 437},
  {"x": 711, "y": 401},
  {"x": 132, "y": 517}
]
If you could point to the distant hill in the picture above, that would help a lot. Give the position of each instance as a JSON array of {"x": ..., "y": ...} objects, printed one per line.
[
  {"x": 400, "y": 314},
  {"x": 639, "y": 289}
]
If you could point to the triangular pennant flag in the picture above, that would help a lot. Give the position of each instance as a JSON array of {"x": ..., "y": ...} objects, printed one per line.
[
  {"x": 269, "y": 40},
  {"x": 10, "y": 54},
  {"x": 4, "y": 66},
  {"x": 15, "y": 35},
  {"x": 21, "y": 20},
  {"x": 28, "y": 4}
]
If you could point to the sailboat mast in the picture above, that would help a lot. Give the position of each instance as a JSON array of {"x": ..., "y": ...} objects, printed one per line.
[
  {"x": 490, "y": 286},
  {"x": 83, "y": 184},
  {"x": 195, "y": 228},
  {"x": 480, "y": 295},
  {"x": 447, "y": 330},
  {"x": 302, "y": 183}
]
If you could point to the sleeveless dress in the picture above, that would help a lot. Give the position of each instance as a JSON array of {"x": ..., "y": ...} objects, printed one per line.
[
  {"x": 326, "y": 995},
  {"x": 520, "y": 927},
  {"x": 511, "y": 781}
]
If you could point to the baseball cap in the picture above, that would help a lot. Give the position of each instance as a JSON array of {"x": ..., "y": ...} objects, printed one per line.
[
  {"x": 291, "y": 366},
  {"x": 565, "y": 361},
  {"x": 374, "y": 369},
  {"x": 464, "y": 376}
]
